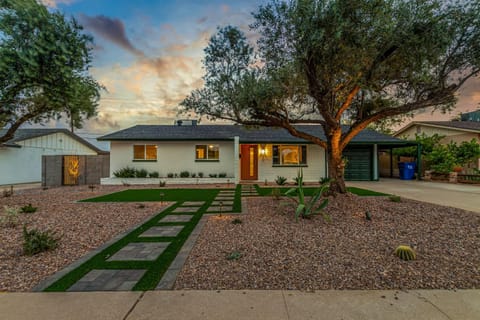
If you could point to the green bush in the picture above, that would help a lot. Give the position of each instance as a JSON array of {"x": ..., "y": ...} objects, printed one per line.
[
  {"x": 194, "y": 175},
  {"x": 212, "y": 175},
  {"x": 154, "y": 174},
  {"x": 162, "y": 183},
  {"x": 28, "y": 209},
  {"x": 35, "y": 241},
  {"x": 10, "y": 217},
  {"x": 184, "y": 174},
  {"x": 126, "y": 172},
  {"x": 142, "y": 173},
  {"x": 169, "y": 175},
  {"x": 280, "y": 180},
  {"x": 394, "y": 198},
  {"x": 222, "y": 175},
  {"x": 200, "y": 174}
]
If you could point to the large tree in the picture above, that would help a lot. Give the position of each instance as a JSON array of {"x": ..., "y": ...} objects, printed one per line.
[
  {"x": 44, "y": 62},
  {"x": 321, "y": 61}
]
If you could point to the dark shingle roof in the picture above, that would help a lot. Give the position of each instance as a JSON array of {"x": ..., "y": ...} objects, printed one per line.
[
  {"x": 228, "y": 132},
  {"x": 468, "y": 125},
  {"x": 25, "y": 134}
]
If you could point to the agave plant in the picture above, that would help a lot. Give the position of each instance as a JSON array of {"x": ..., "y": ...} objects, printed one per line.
[{"x": 306, "y": 209}]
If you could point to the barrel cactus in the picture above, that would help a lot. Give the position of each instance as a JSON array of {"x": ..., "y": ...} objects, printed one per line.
[{"x": 405, "y": 253}]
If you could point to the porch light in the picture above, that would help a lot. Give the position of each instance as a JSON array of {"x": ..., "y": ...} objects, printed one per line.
[{"x": 263, "y": 151}]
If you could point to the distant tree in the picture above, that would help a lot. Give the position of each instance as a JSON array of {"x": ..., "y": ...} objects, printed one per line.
[
  {"x": 44, "y": 62},
  {"x": 321, "y": 59}
]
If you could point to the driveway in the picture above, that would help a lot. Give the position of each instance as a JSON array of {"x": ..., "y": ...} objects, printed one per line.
[{"x": 461, "y": 196}]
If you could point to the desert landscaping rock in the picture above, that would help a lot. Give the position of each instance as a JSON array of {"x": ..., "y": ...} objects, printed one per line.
[
  {"x": 108, "y": 280},
  {"x": 81, "y": 227},
  {"x": 162, "y": 231},
  {"x": 140, "y": 251},
  {"x": 177, "y": 218},
  {"x": 349, "y": 252}
]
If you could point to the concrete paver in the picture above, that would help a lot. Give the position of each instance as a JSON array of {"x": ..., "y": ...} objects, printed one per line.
[
  {"x": 140, "y": 251},
  {"x": 176, "y": 218},
  {"x": 162, "y": 231},
  {"x": 108, "y": 280},
  {"x": 461, "y": 196},
  {"x": 70, "y": 305},
  {"x": 185, "y": 209}
]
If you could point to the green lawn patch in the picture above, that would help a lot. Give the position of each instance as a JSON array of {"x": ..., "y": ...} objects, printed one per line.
[
  {"x": 155, "y": 269},
  {"x": 310, "y": 191}
]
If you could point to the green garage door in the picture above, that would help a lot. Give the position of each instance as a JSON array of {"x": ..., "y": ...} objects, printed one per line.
[{"x": 359, "y": 166}]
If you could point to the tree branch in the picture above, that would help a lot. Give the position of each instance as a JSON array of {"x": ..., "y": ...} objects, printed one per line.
[{"x": 347, "y": 102}]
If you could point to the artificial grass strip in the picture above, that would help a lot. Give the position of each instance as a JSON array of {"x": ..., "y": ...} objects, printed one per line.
[
  {"x": 140, "y": 195},
  {"x": 154, "y": 269},
  {"x": 309, "y": 191}
]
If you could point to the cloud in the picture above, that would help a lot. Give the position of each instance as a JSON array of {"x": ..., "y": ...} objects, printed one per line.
[
  {"x": 110, "y": 29},
  {"x": 54, "y": 3}
]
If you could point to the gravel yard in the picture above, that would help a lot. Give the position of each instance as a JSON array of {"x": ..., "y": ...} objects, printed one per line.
[
  {"x": 82, "y": 227},
  {"x": 348, "y": 253}
]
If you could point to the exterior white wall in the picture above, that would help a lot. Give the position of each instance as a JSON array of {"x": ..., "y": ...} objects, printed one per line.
[
  {"x": 173, "y": 157},
  {"x": 314, "y": 170},
  {"x": 24, "y": 165}
]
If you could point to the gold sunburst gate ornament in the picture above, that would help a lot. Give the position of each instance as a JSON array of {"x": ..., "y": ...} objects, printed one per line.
[{"x": 74, "y": 168}]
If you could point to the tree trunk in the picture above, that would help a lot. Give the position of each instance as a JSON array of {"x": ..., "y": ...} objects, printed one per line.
[{"x": 336, "y": 168}]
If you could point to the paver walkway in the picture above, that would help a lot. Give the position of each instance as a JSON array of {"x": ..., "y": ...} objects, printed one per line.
[{"x": 148, "y": 246}]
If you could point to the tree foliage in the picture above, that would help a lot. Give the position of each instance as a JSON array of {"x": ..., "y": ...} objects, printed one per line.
[
  {"x": 321, "y": 61},
  {"x": 44, "y": 62}
]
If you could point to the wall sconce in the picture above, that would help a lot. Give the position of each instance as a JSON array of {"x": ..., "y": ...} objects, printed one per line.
[{"x": 263, "y": 151}]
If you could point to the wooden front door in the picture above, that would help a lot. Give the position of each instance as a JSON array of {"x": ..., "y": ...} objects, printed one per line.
[{"x": 249, "y": 162}]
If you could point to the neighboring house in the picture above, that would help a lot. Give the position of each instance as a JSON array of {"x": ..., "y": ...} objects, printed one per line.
[
  {"x": 21, "y": 157},
  {"x": 243, "y": 153},
  {"x": 454, "y": 131}
]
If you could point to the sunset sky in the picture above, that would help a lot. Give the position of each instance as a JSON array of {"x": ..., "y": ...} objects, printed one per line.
[{"x": 148, "y": 54}]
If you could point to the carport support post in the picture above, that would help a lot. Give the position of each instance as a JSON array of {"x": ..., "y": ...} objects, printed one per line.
[
  {"x": 419, "y": 161},
  {"x": 375, "y": 162},
  {"x": 236, "y": 162}
]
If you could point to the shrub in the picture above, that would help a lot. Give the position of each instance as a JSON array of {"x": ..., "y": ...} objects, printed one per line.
[
  {"x": 126, "y": 172},
  {"x": 169, "y": 175},
  {"x": 236, "y": 221},
  {"x": 394, "y": 198},
  {"x": 200, "y": 174},
  {"x": 184, "y": 174},
  {"x": 222, "y": 175},
  {"x": 194, "y": 175},
  {"x": 276, "y": 193},
  {"x": 142, "y": 173},
  {"x": 35, "y": 241},
  {"x": 154, "y": 174},
  {"x": 10, "y": 217},
  {"x": 212, "y": 175},
  {"x": 28, "y": 209},
  {"x": 280, "y": 180},
  {"x": 235, "y": 255},
  {"x": 162, "y": 183},
  {"x": 405, "y": 253},
  {"x": 297, "y": 181},
  {"x": 325, "y": 180}
]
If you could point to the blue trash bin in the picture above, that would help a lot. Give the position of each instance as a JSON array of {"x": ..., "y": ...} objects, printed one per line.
[{"x": 407, "y": 170}]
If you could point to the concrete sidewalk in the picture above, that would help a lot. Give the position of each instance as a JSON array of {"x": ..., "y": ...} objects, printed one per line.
[
  {"x": 461, "y": 196},
  {"x": 248, "y": 304}
]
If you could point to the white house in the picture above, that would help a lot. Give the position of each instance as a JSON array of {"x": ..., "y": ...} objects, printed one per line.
[
  {"x": 237, "y": 152},
  {"x": 21, "y": 157}
]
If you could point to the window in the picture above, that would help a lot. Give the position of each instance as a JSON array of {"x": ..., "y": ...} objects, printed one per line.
[
  {"x": 289, "y": 155},
  {"x": 145, "y": 152},
  {"x": 207, "y": 152}
]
